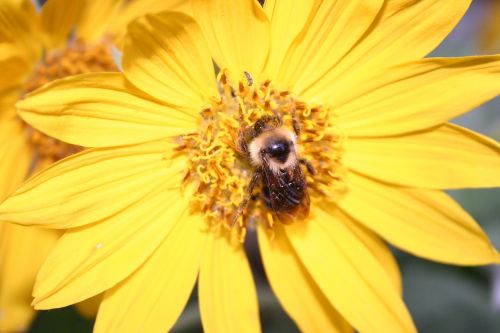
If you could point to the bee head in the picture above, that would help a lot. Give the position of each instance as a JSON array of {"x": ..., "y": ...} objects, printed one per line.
[{"x": 278, "y": 148}]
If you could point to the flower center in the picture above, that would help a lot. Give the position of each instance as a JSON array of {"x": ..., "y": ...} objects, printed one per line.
[
  {"x": 77, "y": 58},
  {"x": 223, "y": 159}
]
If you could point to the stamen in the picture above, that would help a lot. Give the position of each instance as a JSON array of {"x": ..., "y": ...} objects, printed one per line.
[{"x": 221, "y": 172}]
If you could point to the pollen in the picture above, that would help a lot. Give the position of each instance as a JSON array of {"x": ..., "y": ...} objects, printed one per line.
[
  {"x": 221, "y": 171},
  {"x": 76, "y": 58}
]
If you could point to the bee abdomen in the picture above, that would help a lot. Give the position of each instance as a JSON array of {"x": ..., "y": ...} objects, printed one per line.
[{"x": 284, "y": 199}]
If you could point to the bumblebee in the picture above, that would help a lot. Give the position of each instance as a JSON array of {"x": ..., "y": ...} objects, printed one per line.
[{"x": 271, "y": 149}]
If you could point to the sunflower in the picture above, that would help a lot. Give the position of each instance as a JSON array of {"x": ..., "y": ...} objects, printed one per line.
[
  {"x": 36, "y": 48},
  {"x": 158, "y": 203}
]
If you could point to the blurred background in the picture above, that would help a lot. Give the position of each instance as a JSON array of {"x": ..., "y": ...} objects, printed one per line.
[{"x": 440, "y": 298}]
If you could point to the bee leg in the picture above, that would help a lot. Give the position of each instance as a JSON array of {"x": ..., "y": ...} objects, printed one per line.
[
  {"x": 295, "y": 121},
  {"x": 242, "y": 144},
  {"x": 255, "y": 178},
  {"x": 244, "y": 133},
  {"x": 308, "y": 165}
]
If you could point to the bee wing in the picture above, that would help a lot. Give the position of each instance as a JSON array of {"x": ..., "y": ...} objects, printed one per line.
[
  {"x": 288, "y": 195},
  {"x": 301, "y": 210}
]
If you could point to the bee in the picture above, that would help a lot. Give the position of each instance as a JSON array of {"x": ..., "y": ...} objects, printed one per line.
[{"x": 271, "y": 149}]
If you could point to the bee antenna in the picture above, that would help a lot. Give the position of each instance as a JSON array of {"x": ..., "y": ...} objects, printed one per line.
[
  {"x": 235, "y": 219},
  {"x": 255, "y": 178}
]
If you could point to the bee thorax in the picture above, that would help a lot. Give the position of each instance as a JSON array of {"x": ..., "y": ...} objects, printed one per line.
[{"x": 277, "y": 146}]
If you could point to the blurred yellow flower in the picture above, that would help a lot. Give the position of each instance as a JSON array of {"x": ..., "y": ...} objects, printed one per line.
[
  {"x": 150, "y": 208},
  {"x": 64, "y": 38},
  {"x": 490, "y": 29}
]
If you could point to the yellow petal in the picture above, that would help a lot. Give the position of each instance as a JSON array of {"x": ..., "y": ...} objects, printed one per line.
[
  {"x": 15, "y": 155},
  {"x": 331, "y": 31},
  {"x": 22, "y": 251},
  {"x": 19, "y": 25},
  {"x": 13, "y": 67},
  {"x": 405, "y": 30},
  {"x": 91, "y": 259},
  {"x": 89, "y": 307},
  {"x": 426, "y": 223},
  {"x": 237, "y": 33},
  {"x": 349, "y": 274},
  {"x": 8, "y": 51},
  {"x": 419, "y": 95},
  {"x": 102, "y": 110},
  {"x": 297, "y": 292},
  {"x": 19, "y": 2},
  {"x": 58, "y": 18},
  {"x": 166, "y": 56},
  {"x": 227, "y": 295},
  {"x": 95, "y": 18},
  {"x": 373, "y": 243},
  {"x": 90, "y": 186},
  {"x": 445, "y": 157},
  {"x": 134, "y": 9},
  {"x": 283, "y": 29},
  {"x": 152, "y": 298},
  {"x": 8, "y": 98}
]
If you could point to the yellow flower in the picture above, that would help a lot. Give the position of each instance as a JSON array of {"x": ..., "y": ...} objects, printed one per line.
[
  {"x": 150, "y": 209},
  {"x": 36, "y": 48}
]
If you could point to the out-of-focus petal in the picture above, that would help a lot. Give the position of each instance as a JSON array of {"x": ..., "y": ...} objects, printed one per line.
[
  {"x": 15, "y": 155},
  {"x": 134, "y": 9},
  {"x": 20, "y": 25},
  {"x": 58, "y": 18},
  {"x": 22, "y": 252},
  {"x": 95, "y": 18}
]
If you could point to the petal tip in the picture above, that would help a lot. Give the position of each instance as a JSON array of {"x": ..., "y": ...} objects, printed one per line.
[
  {"x": 496, "y": 257},
  {"x": 35, "y": 304}
]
